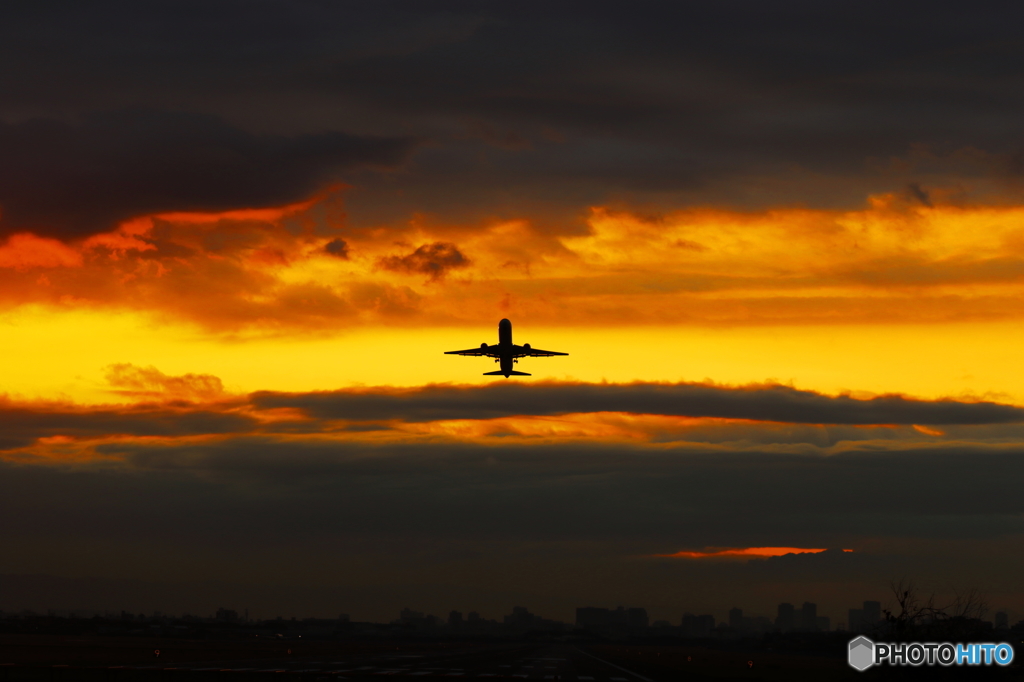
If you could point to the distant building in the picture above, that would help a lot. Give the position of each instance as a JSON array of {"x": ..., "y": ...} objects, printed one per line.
[
  {"x": 1002, "y": 621},
  {"x": 698, "y": 626},
  {"x": 475, "y": 623},
  {"x": 865, "y": 619},
  {"x": 823, "y": 624},
  {"x": 736, "y": 619},
  {"x": 636, "y": 618},
  {"x": 855, "y": 618},
  {"x": 593, "y": 618},
  {"x": 872, "y": 613},
  {"x": 455, "y": 619},
  {"x": 409, "y": 616},
  {"x": 226, "y": 615},
  {"x": 521, "y": 620},
  {"x": 608, "y": 620},
  {"x": 786, "y": 620},
  {"x": 808, "y": 617},
  {"x": 416, "y": 621}
]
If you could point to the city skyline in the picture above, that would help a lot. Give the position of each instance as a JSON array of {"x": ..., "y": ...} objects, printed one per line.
[
  {"x": 616, "y": 623},
  {"x": 785, "y": 617}
]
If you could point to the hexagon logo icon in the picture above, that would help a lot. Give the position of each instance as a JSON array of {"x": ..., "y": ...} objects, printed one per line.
[{"x": 861, "y": 653}]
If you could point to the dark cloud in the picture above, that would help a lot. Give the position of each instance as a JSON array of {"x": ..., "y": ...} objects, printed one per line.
[
  {"x": 73, "y": 179},
  {"x": 782, "y": 417},
  {"x": 434, "y": 260},
  {"x": 517, "y": 516},
  {"x": 564, "y": 483},
  {"x": 919, "y": 194},
  {"x": 773, "y": 403},
  {"x": 23, "y": 425},
  {"x": 538, "y": 109},
  {"x": 337, "y": 248}
]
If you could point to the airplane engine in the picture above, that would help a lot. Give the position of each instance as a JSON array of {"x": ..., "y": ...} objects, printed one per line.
[{"x": 526, "y": 346}]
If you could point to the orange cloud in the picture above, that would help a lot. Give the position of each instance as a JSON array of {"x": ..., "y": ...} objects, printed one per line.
[
  {"x": 619, "y": 426},
  {"x": 299, "y": 268},
  {"x": 149, "y": 382},
  {"x": 25, "y": 251},
  {"x": 746, "y": 552}
]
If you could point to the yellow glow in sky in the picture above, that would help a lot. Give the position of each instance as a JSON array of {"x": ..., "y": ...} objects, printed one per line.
[{"x": 64, "y": 354}]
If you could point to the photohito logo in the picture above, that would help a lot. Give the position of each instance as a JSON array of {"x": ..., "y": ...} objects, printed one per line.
[{"x": 863, "y": 653}]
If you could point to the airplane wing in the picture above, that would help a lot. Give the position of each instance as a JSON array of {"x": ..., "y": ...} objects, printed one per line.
[
  {"x": 538, "y": 353},
  {"x": 470, "y": 351}
]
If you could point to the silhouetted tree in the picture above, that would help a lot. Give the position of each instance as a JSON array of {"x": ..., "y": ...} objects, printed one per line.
[{"x": 920, "y": 618}]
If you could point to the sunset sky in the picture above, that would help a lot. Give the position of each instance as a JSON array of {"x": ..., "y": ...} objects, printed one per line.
[{"x": 782, "y": 243}]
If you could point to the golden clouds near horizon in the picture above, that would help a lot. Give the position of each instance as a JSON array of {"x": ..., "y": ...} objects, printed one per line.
[
  {"x": 745, "y": 552},
  {"x": 896, "y": 297},
  {"x": 145, "y": 408},
  {"x": 51, "y": 354},
  {"x": 191, "y": 418}
]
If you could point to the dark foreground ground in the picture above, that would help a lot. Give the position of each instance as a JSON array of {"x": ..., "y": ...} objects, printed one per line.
[{"x": 50, "y": 658}]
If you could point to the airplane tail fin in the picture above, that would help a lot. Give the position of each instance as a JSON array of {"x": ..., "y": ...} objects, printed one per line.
[{"x": 512, "y": 373}]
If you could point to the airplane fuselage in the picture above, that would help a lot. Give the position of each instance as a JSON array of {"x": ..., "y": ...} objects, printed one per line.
[
  {"x": 506, "y": 348},
  {"x": 505, "y": 353}
]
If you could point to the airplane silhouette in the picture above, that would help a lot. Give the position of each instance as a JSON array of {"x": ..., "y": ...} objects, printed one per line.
[{"x": 506, "y": 352}]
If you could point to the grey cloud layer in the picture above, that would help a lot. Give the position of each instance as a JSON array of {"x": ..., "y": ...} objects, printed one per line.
[
  {"x": 779, "y": 414},
  {"x": 482, "y": 524},
  {"x": 22, "y": 425},
  {"x": 515, "y": 518},
  {"x": 772, "y": 403},
  {"x": 604, "y": 491},
  {"x": 536, "y": 108},
  {"x": 76, "y": 179}
]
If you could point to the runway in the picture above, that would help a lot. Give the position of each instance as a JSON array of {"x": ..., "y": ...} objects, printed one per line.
[
  {"x": 294, "y": 661},
  {"x": 538, "y": 662},
  {"x": 497, "y": 662}
]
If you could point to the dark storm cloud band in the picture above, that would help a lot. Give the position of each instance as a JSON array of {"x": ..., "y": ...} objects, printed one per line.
[
  {"x": 767, "y": 403},
  {"x": 20, "y": 426},
  {"x": 598, "y": 480},
  {"x": 23, "y": 424},
  {"x": 73, "y": 179},
  {"x": 707, "y": 100}
]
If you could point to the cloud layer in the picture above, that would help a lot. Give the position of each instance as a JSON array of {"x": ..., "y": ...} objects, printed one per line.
[
  {"x": 487, "y": 494},
  {"x": 74, "y": 180},
  {"x": 542, "y": 111},
  {"x": 768, "y": 403},
  {"x": 302, "y": 267},
  {"x": 172, "y": 407}
]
